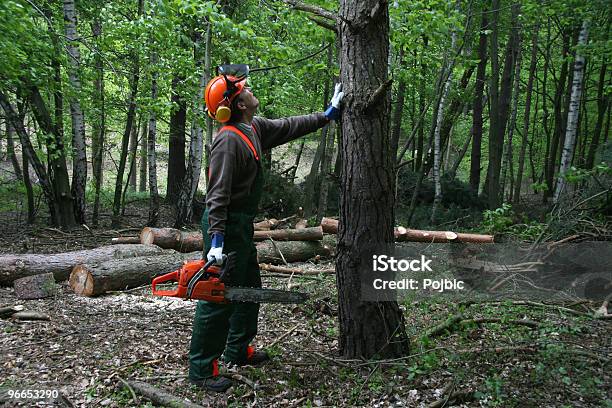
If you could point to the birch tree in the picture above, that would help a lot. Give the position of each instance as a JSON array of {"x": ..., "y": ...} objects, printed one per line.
[{"x": 573, "y": 114}]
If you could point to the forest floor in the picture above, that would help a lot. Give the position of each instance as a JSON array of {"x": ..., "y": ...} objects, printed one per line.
[{"x": 91, "y": 344}]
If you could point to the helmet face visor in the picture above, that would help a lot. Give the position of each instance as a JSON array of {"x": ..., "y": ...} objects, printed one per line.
[{"x": 239, "y": 71}]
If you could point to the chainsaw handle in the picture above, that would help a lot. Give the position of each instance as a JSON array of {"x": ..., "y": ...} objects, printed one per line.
[{"x": 168, "y": 277}]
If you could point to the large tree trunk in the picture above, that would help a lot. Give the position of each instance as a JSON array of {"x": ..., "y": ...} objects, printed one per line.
[
  {"x": 127, "y": 131},
  {"x": 99, "y": 127},
  {"x": 477, "y": 105},
  {"x": 602, "y": 104},
  {"x": 79, "y": 166},
  {"x": 176, "y": 142},
  {"x": 151, "y": 154},
  {"x": 15, "y": 266},
  {"x": 191, "y": 179},
  {"x": 93, "y": 279},
  {"x": 572, "y": 117},
  {"x": 367, "y": 328},
  {"x": 524, "y": 139}
]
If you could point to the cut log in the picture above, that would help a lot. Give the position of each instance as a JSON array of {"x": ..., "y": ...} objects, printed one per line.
[
  {"x": 120, "y": 274},
  {"x": 17, "y": 266},
  {"x": 35, "y": 286},
  {"x": 125, "y": 240},
  {"x": 293, "y": 271},
  {"x": 304, "y": 234},
  {"x": 293, "y": 251},
  {"x": 8, "y": 311},
  {"x": 404, "y": 234},
  {"x": 160, "y": 397},
  {"x": 266, "y": 225},
  {"x": 171, "y": 238},
  {"x": 301, "y": 224},
  {"x": 330, "y": 226}
]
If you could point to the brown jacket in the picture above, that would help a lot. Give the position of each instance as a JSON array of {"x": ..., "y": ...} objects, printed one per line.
[{"x": 233, "y": 167}]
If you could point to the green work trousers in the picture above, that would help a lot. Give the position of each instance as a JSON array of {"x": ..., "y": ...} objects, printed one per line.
[{"x": 227, "y": 328}]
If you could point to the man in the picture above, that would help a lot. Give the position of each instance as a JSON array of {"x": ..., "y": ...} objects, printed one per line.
[{"x": 234, "y": 189}]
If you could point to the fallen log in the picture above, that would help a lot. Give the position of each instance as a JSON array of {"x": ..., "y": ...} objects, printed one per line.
[
  {"x": 35, "y": 286},
  {"x": 266, "y": 225},
  {"x": 30, "y": 315},
  {"x": 160, "y": 397},
  {"x": 405, "y": 234},
  {"x": 330, "y": 226},
  {"x": 292, "y": 251},
  {"x": 301, "y": 224},
  {"x": 302, "y": 234},
  {"x": 17, "y": 266},
  {"x": 293, "y": 271},
  {"x": 8, "y": 311},
  {"x": 125, "y": 240},
  {"x": 171, "y": 238},
  {"x": 118, "y": 274}
]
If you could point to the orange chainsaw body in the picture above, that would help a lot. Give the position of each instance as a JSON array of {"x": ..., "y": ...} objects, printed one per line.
[{"x": 209, "y": 288}]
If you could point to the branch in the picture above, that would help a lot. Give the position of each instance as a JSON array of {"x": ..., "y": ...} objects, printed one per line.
[
  {"x": 309, "y": 8},
  {"x": 377, "y": 96},
  {"x": 323, "y": 23}
]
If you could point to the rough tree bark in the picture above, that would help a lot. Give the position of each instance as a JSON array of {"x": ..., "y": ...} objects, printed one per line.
[
  {"x": 367, "y": 328},
  {"x": 79, "y": 167},
  {"x": 602, "y": 104},
  {"x": 572, "y": 116},
  {"x": 176, "y": 142},
  {"x": 524, "y": 139}
]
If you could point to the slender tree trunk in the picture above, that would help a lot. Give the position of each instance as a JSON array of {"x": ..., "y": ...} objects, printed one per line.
[
  {"x": 176, "y": 143},
  {"x": 133, "y": 151},
  {"x": 312, "y": 179},
  {"x": 151, "y": 155},
  {"x": 325, "y": 171},
  {"x": 398, "y": 111},
  {"x": 28, "y": 186},
  {"x": 452, "y": 173},
  {"x": 79, "y": 164},
  {"x": 30, "y": 153},
  {"x": 191, "y": 178},
  {"x": 128, "y": 129},
  {"x": 99, "y": 127},
  {"x": 142, "y": 186},
  {"x": 477, "y": 105},
  {"x": 492, "y": 187},
  {"x": 437, "y": 148},
  {"x": 367, "y": 328},
  {"x": 602, "y": 104},
  {"x": 298, "y": 157},
  {"x": 509, "y": 167},
  {"x": 572, "y": 117},
  {"x": 10, "y": 151},
  {"x": 524, "y": 139},
  {"x": 554, "y": 144}
]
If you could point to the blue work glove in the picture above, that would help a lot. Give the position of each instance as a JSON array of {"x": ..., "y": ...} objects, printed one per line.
[
  {"x": 216, "y": 249},
  {"x": 333, "y": 111}
]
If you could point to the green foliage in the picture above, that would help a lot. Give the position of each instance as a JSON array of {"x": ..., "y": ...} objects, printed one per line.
[{"x": 504, "y": 220}]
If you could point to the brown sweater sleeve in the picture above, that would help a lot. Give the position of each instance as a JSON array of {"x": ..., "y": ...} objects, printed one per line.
[
  {"x": 275, "y": 132},
  {"x": 223, "y": 165}
]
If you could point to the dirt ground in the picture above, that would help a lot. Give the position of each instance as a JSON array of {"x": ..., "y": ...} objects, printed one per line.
[{"x": 91, "y": 345}]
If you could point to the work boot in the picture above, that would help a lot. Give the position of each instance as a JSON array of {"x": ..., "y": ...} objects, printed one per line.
[
  {"x": 214, "y": 384},
  {"x": 257, "y": 358}
]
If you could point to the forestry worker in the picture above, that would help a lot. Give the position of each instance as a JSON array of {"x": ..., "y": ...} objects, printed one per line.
[{"x": 234, "y": 190}]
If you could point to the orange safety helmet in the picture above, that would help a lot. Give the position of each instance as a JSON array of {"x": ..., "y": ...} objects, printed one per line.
[{"x": 219, "y": 94}]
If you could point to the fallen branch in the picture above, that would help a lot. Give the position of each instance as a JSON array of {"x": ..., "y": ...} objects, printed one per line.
[
  {"x": 283, "y": 336},
  {"x": 159, "y": 396},
  {"x": 125, "y": 240},
  {"x": 30, "y": 315}
]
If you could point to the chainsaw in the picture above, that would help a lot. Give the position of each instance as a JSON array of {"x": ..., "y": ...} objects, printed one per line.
[{"x": 201, "y": 280}]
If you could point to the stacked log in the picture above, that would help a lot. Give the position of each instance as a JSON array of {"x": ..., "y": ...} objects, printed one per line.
[
  {"x": 17, "y": 266},
  {"x": 171, "y": 238}
]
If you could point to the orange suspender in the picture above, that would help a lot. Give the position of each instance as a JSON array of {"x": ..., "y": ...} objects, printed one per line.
[{"x": 244, "y": 138}]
